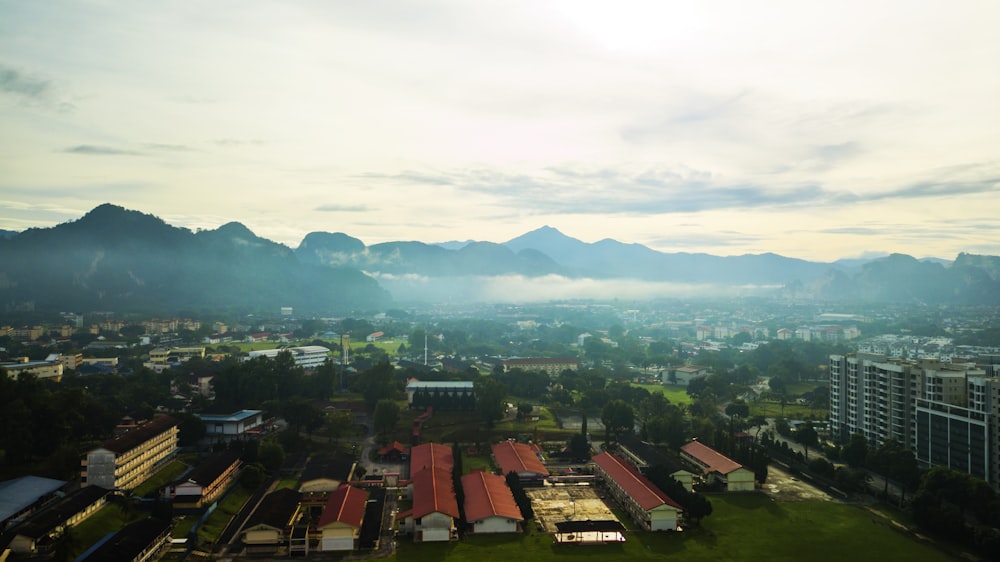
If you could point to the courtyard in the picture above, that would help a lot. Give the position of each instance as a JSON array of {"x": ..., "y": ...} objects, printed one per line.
[{"x": 558, "y": 503}]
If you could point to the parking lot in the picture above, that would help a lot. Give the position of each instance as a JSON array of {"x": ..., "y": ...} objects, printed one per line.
[{"x": 555, "y": 504}]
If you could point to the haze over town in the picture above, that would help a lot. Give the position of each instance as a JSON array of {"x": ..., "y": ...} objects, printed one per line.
[{"x": 817, "y": 132}]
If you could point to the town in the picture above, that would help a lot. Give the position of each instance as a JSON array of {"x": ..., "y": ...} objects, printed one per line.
[{"x": 589, "y": 424}]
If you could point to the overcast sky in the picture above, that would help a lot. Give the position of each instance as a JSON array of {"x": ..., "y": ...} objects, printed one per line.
[{"x": 816, "y": 130}]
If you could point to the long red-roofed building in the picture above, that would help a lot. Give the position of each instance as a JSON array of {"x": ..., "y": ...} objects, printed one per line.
[
  {"x": 435, "y": 507},
  {"x": 716, "y": 466},
  {"x": 340, "y": 523},
  {"x": 649, "y": 506},
  {"x": 489, "y": 503},
  {"x": 520, "y": 458}
]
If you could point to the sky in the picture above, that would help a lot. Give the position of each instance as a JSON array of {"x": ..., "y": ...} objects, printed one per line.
[{"x": 817, "y": 130}]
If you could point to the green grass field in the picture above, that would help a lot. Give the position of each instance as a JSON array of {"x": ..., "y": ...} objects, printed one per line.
[
  {"x": 742, "y": 527},
  {"x": 675, "y": 393},
  {"x": 210, "y": 530},
  {"x": 167, "y": 474},
  {"x": 772, "y": 409}
]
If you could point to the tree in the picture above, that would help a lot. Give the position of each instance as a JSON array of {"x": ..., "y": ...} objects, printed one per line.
[
  {"x": 252, "y": 476},
  {"x": 490, "y": 399},
  {"x": 855, "y": 452},
  {"x": 271, "y": 455},
  {"x": 618, "y": 417},
  {"x": 386, "y": 416},
  {"x": 807, "y": 437},
  {"x": 738, "y": 408},
  {"x": 523, "y": 410}
]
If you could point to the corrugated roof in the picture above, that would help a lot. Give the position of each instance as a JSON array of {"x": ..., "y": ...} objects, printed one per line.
[
  {"x": 433, "y": 491},
  {"x": 644, "y": 492},
  {"x": 128, "y": 441},
  {"x": 430, "y": 455},
  {"x": 276, "y": 509},
  {"x": 19, "y": 493},
  {"x": 518, "y": 457},
  {"x": 487, "y": 495},
  {"x": 48, "y": 519},
  {"x": 713, "y": 460},
  {"x": 346, "y": 505},
  {"x": 213, "y": 467}
]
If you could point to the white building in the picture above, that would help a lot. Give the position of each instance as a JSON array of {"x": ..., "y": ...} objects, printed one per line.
[{"x": 307, "y": 356}]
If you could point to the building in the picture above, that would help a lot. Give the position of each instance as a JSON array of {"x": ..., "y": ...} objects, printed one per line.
[
  {"x": 489, "y": 504},
  {"x": 270, "y": 525},
  {"x": 441, "y": 395},
  {"x": 128, "y": 460},
  {"x": 716, "y": 467},
  {"x": 307, "y": 357},
  {"x": 520, "y": 458},
  {"x": 340, "y": 524},
  {"x": 175, "y": 354},
  {"x": 324, "y": 473},
  {"x": 682, "y": 375},
  {"x": 431, "y": 488},
  {"x": 51, "y": 368},
  {"x": 945, "y": 412},
  {"x": 21, "y": 497},
  {"x": 550, "y": 365},
  {"x": 207, "y": 482},
  {"x": 238, "y": 425},
  {"x": 643, "y": 455},
  {"x": 35, "y": 536},
  {"x": 141, "y": 541},
  {"x": 650, "y": 507}
]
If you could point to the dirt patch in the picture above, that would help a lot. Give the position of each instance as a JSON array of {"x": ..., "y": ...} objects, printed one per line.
[
  {"x": 555, "y": 504},
  {"x": 785, "y": 487}
]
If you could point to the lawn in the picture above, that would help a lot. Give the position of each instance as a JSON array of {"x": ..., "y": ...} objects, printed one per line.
[
  {"x": 161, "y": 478},
  {"x": 109, "y": 519},
  {"x": 742, "y": 527},
  {"x": 210, "y": 530},
  {"x": 792, "y": 411},
  {"x": 675, "y": 393}
]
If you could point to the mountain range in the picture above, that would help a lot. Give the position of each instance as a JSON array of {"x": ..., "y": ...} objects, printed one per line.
[{"x": 124, "y": 260}]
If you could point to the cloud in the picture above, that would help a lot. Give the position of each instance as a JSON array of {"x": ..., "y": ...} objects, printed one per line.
[
  {"x": 335, "y": 208},
  {"x": 31, "y": 89},
  {"x": 237, "y": 142},
  {"x": 170, "y": 147},
  {"x": 96, "y": 150}
]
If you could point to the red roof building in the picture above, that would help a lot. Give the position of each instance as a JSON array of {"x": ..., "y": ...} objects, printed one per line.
[
  {"x": 520, "y": 458},
  {"x": 717, "y": 466},
  {"x": 435, "y": 507},
  {"x": 489, "y": 503},
  {"x": 651, "y": 508},
  {"x": 341, "y": 519}
]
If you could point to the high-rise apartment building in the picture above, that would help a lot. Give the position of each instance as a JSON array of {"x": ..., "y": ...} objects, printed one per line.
[{"x": 947, "y": 413}]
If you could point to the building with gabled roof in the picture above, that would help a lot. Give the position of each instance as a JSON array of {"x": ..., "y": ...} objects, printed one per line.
[
  {"x": 21, "y": 497},
  {"x": 519, "y": 458},
  {"x": 650, "y": 507},
  {"x": 489, "y": 504},
  {"x": 128, "y": 460},
  {"x": 435, "y": 506},
  {"x": 340, "y": 523},
  {"x": 324, "y": 473},
  {"x": 718, "y": 467},
  {"x": 141, "y": 541},
  {"x": 36, "y": 534},
  {"x": 271, "y": 523},
  {"x": 207, "y": 481}
]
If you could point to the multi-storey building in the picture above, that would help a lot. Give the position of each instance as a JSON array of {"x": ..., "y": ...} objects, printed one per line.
[
  {"x": 129, "y": 459},
  {"x": 307, "y": 356},
  {"x": 947, "y": 413}
]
